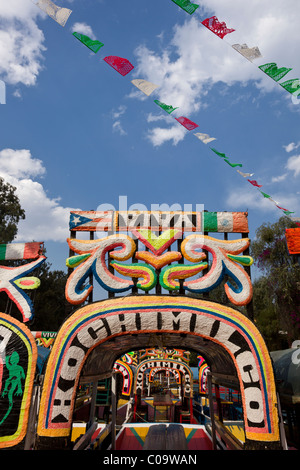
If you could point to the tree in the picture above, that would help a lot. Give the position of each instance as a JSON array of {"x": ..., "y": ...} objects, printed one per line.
[
  {"x": 11, "y": 212},
  {"x": 50, "y": 304},
  {"x": 50, "y": 307},
  {"x": 277, "y": 292},
  {"x": 267, "y": 315}
]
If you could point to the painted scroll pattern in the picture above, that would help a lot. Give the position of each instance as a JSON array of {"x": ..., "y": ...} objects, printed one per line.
[
  {"x": 157, "y": 370},
  {"x": 14, "y": 280},
  {"x": 96, "y": 251},
  {"x": 165, "y": 353},
  {"x": 158, "y": 267},
  {"x": 225, "y": 262}
]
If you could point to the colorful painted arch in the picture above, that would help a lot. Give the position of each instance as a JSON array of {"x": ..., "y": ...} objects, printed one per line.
[
  {"x": 164, "y": 364},
  {"x": 186, "y": 322},
  {"x": 203, "y": 371},
  {"x": 127, "y": 373},
  {"x": 18, "y": 358}
]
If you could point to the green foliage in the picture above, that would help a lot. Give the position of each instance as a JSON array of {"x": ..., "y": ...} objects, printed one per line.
[
  {"x": 50, "y": 305},
  {"x": 267, "y": 315},
  {"x": 277, "y": 293},
  {"x": 10, "y": 212},
  {"x": 193, "y": 359},
  {"x": 269, "y": 250}
]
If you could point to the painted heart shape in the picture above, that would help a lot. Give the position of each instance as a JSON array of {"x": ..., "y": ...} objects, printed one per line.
[{"x": 158, "y": 261}]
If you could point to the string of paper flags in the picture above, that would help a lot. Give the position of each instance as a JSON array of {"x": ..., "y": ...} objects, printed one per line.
[{"x": 123, "y": 67}]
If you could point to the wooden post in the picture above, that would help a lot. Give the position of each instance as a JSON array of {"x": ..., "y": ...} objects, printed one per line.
[
  {"x": 211, "y": 410},
  {"x": 218, "y": 397},
  {"x": 91, "y": 277},
  {"x": 134, "y": 289},
  {"x": 249, "y": 306},
  {"x": 111, "y": 269},
  {"x": 30, "y": 435},
  {"x": 281, "y": 426},
  {"x": 158, "y": 286},
  {"x": 205, "y": 271},
  {"x": 71, "y": 252},
  {"x": 191, "y": 410},
  {"x": 93, "y": 404},
  {"x": 113, "y": 410}
]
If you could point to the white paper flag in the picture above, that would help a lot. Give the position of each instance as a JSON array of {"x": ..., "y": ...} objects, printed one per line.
[
  {"x": 245, "y": 175},
  {"x": 204, "y": 137},
  {"x": 60, "y": 15},
  {"x": 145, "y": 86},
  {"x": 249, "y": 53}
]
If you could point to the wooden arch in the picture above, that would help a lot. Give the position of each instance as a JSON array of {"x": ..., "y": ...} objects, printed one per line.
[{"x": 230, "y": 342}]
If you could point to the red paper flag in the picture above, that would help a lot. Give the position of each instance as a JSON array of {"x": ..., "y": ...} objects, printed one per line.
[
  {"x": 293, "y": 240},
  {"x": 123, "y": 66},
  {"x": 220, "y": 29},
  {"x": 189, "y": 125},
  {"x": 255, "y": 183}
]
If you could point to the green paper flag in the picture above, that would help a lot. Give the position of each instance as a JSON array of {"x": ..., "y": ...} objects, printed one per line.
[
  {"x": 169, "y": 109},
  {"x": 186, "y": 5},
  {"x": 88, "y": 42},
  {"x": 273, "y": 71},
  {"x": 232, "y": 164},
  {"x": 265, "y": 195},
  {"x": 288, "y": 212},
  {"x": 218, "y": 153},
  {"x": 292, "y": 86}
]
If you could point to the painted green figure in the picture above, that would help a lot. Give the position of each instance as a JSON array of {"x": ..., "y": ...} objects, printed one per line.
[{"x": 13, "y": 384}]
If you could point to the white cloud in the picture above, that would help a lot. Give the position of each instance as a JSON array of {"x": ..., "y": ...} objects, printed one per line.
[
  {"x": 278, "y": 179},
  {"x": 290, "y": 147},
  {"x": 119, "y": 112},
  {"x": 158, "y": 117},
  {"x": 17, "y": 94},
  {"x": 293, "y": 164},
  {"x": 21, "y": 42},
  {"x": 20, "y": 169},
  {"x": 241, "y": 198},
  {"x": 159, "y": 135},
  {"x": 83, "y": 28},
  {"x": 195, "y": 59},
  {"x": 250, "y": 199},
  {"x": 19, "y": 164},
  {"x": 117, "y": 127}
]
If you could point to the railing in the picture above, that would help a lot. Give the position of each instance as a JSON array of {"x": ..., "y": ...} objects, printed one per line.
[
  {"x": 231, "y": 441},
  {"x": 85, "y": 442}
]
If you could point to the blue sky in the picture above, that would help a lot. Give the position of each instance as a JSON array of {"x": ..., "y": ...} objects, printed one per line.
[{"x": 76, "y": 135}]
